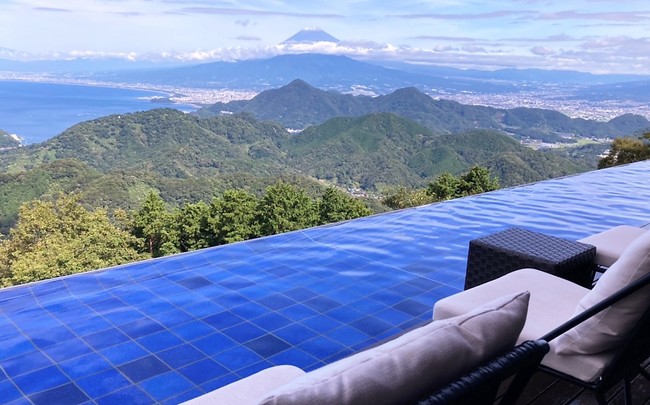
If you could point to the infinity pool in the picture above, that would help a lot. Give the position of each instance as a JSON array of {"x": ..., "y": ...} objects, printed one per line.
[{"x": 166, "y": 330}]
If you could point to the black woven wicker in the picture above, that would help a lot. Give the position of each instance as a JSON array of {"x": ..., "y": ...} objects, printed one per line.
[
  {"x": 494, "y": 255},
  {"x": 481, "y": 385}
]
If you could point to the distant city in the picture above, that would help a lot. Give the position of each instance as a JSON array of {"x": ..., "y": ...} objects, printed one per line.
[{"x": 548, "y": 96}]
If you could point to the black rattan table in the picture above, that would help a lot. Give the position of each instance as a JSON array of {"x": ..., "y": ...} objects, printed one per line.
[{"x": 494, "y": 255}]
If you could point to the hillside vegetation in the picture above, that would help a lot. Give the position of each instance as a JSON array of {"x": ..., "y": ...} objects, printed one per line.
[
  {"x": 299, "y": 105},
  {"x": 116, "y": 160}
]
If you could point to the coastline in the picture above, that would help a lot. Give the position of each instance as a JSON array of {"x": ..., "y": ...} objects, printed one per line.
[{"x": 192, "y": 96}]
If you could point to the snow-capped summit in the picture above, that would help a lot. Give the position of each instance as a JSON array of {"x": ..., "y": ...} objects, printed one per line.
[{"x": 309, "y": 35}]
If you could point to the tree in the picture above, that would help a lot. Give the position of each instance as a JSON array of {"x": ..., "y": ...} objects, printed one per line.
[
  {"x": 60, "y": 237},
  {"x": 232, "y": 217},
  {"x": 627, "y": 150},
  {"x": 154, "y": 224},
  {"x": 445, "y": 187},
  {"x": 336, "y": 206},
  {"x": 285, "y": 208},
  {"x": 192, "y": 228},
  {"x": 477, "y": 180}
]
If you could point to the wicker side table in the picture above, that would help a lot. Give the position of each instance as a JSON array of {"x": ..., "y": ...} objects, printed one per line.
[{"x": 494, "y": 255}]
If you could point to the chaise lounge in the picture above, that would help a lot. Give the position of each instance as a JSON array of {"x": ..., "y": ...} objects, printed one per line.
[{"x": 586, "y": 353}]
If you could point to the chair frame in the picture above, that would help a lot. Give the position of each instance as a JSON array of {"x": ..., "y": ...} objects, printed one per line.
[
  {"x": 481, "y": 385},
  {"x": 629, "y": 354}
]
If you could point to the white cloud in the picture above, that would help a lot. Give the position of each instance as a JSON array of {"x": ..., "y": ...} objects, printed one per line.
[{"x": 542, "y": 51}]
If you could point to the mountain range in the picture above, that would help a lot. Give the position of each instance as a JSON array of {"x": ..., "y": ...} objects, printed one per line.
[
  {"x": 114, "y": 161},
  {"x": 298, "y": 105},
  {"x": 342, "y": 73}
]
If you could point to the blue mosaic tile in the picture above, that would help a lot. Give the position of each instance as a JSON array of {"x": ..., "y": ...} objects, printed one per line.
[
  {"x": 192, "y": 330},
  {"x": 238, "y": 358},
  {"x": 294, "y": 357},
  {"x": 254, "y": 368},
  {"x": 321, "y": 323},
  {"x": 141, "y": 327},
  {"x": 122, "y": 316},
  {"x": 185, "y": 396},
  {"x": 67, "y": 350},
  {"x": 371, "y": 325},
  {"x": 159, "y": 341},
  {"x": 68, "y": 394},
  {"x": 124, "y": 352},
  {"x": 231, "y": 299},
  {"x": 271, "y": 321},
  {"x": 193, "y": 283},
  {"x": 202, "y": 308},
  {"x": 322, "y": 304},
  {"x": 203, "y": 370},
  {"x": 179, "y": 356},
  {"x": 300, "y": 294},
  {"x": 214, "y": 343},
  {"x": 267, "y": 345},
  {"x": 321, "y": 347},
  {"x": 89, "y": 326},
  {"x": 166, "y": 385},
  {"x": 348, "y": 336},
  {"x": 174, "y": 317},
  {"x": 243, "y": 332},
  {"x": 276, "y": 301},
  {"x": 223, "y": 320},
  {"x": 105, "y": 338},
  {"x": 143, "y": 368},
  {"x": 281, "y": 271},
  {"x": 85, "y": 365},
  {"x": 392, "y": 316},
  {"x": 298, "y": 312},
  {"x": 103, "y": 383},
  {"x": 412, "y": 307},
  {"x": 40, "y": 380},
  {"x": 295, "y": 333},
  {"x": 249, "y": 311},
  {"x": 236, "y": 283},
  {"x": 8, "y": 392},
  {"x": 345, "y": 314},
  {"x": 219, "y": 382},
  {"x": 131, "y": 395},
  {"x": 24, "y": 363}
]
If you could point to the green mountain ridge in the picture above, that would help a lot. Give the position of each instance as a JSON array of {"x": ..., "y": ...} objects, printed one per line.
[
  {"x": 299, "y": 105},
  {"x": 7, "y": 141},
  {"x": 115, "y": 161}
]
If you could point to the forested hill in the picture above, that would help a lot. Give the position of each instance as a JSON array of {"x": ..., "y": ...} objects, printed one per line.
[
  {"x": 114, "y": 161},
  {"x": 298, "y": 105},
  {"x": 164, "y": 141},
  {"x": 364, "y": 152},
  {"x": 7, "y": 141},
  {"x": 384, "y": 149}
]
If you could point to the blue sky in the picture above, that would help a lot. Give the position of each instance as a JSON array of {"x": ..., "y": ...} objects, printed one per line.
[{"x": 598, "y": 36}]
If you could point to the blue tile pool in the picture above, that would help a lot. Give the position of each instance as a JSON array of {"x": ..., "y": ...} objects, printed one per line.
[{"x": 166, "y": 330}]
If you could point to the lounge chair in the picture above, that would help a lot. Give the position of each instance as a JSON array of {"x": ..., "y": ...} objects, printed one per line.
[
  {"x": 596, "y": 353},
  {"x": 440, "y": 357},
  {"x": 612, "y": 242}
]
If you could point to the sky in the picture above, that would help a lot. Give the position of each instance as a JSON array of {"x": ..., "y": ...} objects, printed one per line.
[{"x": 597, "y": 36}]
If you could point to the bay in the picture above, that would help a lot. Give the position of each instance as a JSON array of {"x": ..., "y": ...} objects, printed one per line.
[{"x": 38, "y": 111}]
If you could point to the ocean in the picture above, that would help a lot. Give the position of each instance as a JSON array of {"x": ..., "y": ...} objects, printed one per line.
[{"x": 39, "y": 111}]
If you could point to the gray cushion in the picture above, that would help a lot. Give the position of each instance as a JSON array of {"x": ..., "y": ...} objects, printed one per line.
[
  {"x": 408, "y": 367},
  {"x": 611, "y": 243},
  {"x": 607, "y": 329}
]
